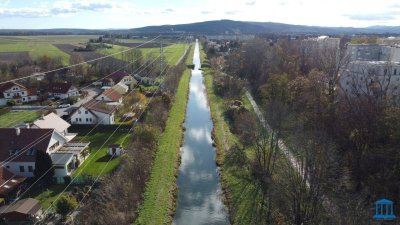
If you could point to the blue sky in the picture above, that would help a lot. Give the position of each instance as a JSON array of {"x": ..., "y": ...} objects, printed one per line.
[{"x": 97, "y": 14}]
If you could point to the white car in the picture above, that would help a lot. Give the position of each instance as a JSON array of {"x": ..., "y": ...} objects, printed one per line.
[{"x": 64, "y": 106}]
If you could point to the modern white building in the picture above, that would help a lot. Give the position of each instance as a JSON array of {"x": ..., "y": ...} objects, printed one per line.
[{"x": 371, "y": 78}]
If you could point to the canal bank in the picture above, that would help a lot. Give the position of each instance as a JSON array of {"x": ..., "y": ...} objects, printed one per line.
[{"x": 200, "y": 194}]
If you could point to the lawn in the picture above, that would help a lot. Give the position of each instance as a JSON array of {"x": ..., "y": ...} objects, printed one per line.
[
  {"x": 161, "y": 187},
  {"x": 98, "y": 157},
  {"x": 172, "y": 53},
  {"x": 46, "y": 196},
  {"x": 13, "y": 118}
]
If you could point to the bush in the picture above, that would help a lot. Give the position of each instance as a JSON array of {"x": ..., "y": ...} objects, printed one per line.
[
  {"x": 66, "y": 204},
  {"x": 67, "y": 179},
  {"x": 11, "y": 102}
]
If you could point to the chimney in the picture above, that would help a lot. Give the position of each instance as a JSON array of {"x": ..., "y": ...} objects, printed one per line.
[{"x": 17, "y": 131}]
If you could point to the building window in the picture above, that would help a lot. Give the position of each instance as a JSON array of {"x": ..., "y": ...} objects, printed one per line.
[
  {"x": 30, "y": 168},
  {"x": 21, "y": 169},
  {"x": 29, "y": 98},
  {"x": 90, "y": 119},
  {"x": 23, "y": 93},
  {"x": 77, "y": 119},
  {"x": 87, "y": 119},
  {"x": 86, "y": 112},
  {"x": 8, "y": 95},
  {"x": 80, "y": 119},
  {"x": 79, "y": 111}
]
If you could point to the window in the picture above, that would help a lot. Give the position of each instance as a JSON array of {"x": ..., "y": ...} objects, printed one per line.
[
  {"x": 30, "y": 168},
  {"x": 21, "y": 169},
  {"x": 23, "y": 99},
  {"x": 90, "y": 119},
  {"x": 22, "y": 93},
  {"x": 394, "y": 71},
  {"x": 80, "y": 119},
  {"x": 87, "y": 119},
  {"x": 8, "y": 95},
  {"x": 29, "y": 98},
  {"x": 86, "y": 112},
  {"x": 31, "y": 152},
  {"x": 77, "y": 119},
  {"x": 79, "y": 111}
]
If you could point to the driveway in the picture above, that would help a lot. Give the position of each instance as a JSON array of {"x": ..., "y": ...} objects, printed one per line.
[{"x": 92, "y": 92}]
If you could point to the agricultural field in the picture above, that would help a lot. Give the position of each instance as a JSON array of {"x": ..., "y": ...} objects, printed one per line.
[
  {"x": 172, "y": 53},
  {"x": 36, "y": 46}
]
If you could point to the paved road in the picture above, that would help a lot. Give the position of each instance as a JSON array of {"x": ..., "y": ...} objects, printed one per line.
[{"x": 92, "y": 91}]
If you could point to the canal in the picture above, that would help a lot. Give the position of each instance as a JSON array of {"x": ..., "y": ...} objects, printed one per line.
[{"x": 200, "y": 194}]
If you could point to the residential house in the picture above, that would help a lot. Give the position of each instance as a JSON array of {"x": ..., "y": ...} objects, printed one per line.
[
  {"x": 110, "y": 95},
  {"x": 9, "y": 182},
  {"x": 52, "y": 121},
  {"x": 94, "y": 112},
  {"x": 120, "y": 88},
  {"x": 18, "y": 147},
  {"x": 23, "y": 211},
  {"x": 119, "y": 77},
  {"x": 17, "y": 92},
  {"x": 62, "y": 90}
]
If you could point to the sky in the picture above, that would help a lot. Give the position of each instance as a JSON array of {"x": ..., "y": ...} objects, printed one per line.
[{"x": 106, "y": 14}]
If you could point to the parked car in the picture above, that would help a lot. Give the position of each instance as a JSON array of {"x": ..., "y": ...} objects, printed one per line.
[{"x": 64, "y": 105}]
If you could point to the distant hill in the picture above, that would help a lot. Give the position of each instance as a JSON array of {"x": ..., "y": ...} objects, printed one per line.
[
  {"x": 242, "y": 27},
  {"x": 216, "y": 27}
]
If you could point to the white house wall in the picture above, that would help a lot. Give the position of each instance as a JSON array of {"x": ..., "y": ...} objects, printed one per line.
[
  {"x": 83, "y": 117},
  {"x": 104, "y": 118},
  {"x": 14, "y": 167}
]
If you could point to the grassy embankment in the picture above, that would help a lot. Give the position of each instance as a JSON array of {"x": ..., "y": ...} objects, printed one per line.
[
  {"x": 160, "y": 195},
  {"x": 240, "y": 193}
]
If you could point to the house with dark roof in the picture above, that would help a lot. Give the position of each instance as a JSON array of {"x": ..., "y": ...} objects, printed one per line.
[
  {"x": 62, "y": 90},
  {"x": 9, "y": 182},
  {"x": 19, "y": 93},
  {"x": 24, "y": 210},
  {"x": 118, "y": 77},
  {"x": 19, "y": 146},
  {"x": 94, "y": 112},
  {"x": 110, "y": 95}
]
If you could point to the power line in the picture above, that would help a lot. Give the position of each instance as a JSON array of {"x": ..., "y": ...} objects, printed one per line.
[{"x": 78, "y": 64}]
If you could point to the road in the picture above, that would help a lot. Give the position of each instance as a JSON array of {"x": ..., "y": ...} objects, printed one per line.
[{"x": 92, "y": 91}]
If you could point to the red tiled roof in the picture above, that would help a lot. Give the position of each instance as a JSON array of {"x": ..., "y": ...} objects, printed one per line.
[
  {"x": 37, "y": 139},
  {"x": 32, "y": 91},
  {"x": 94, "y": 105},
  {"x": 9, "y": 181},
  {"x": 61, "y": 88},
  {"x": 112, "y": 94}
]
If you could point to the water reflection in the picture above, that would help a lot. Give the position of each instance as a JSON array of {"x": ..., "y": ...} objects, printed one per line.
[{"x": 199, "y": 198}]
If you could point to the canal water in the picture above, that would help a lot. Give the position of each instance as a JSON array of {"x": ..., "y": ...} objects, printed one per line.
[{"x": 200, "y": 194}]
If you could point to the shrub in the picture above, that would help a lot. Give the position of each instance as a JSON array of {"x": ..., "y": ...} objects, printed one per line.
[{"x": 66, "y": 204}]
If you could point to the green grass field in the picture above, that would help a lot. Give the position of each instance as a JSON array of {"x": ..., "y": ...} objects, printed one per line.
[
  {"x": 172, "y": 53},
  {"x": 159, "y": 195},
  {"x": 38, "y": 46},
  {"x": 13, "y": 118},
  {"x": 98, "y": 157}
]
